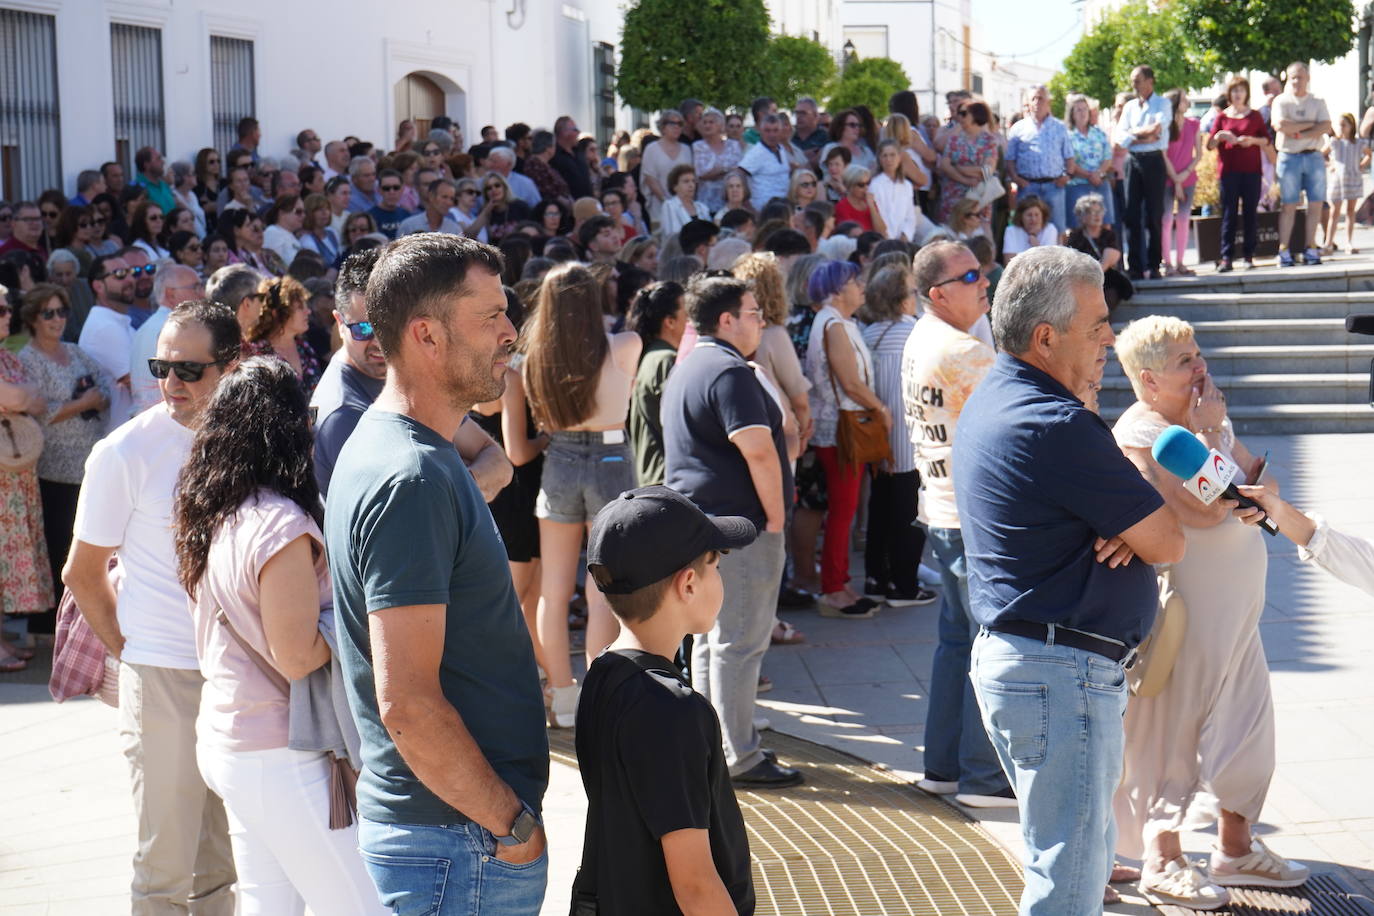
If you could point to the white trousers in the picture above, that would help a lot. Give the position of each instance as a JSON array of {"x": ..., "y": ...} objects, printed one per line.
[{"x": 285, "y": 854}]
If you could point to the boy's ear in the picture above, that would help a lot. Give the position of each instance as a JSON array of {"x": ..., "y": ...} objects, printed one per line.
[{"x": 685, "y": 583}]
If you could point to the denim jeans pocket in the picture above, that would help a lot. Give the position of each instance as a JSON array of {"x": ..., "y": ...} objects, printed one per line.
[
  {"x": 1105, "y": 676},
  {"x": 408, "y": 885},
  {"x": 1019, "y": 715}
]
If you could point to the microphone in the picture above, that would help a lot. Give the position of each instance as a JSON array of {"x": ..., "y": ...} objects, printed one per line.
[
  {"x": 1359, "y": 324},
  {"x": 1206, "y": 473}
]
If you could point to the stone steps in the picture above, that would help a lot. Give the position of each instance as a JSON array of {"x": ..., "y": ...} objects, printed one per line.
[{"x": 1275, "y": 342}]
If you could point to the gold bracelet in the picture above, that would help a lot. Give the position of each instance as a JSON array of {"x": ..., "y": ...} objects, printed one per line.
[{"x": 1209, "y": 429}]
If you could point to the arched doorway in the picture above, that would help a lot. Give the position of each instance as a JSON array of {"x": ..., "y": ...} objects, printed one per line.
[{"x": 420, "y": 99}]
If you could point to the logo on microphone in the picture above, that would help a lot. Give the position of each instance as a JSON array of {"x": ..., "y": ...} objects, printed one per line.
[{"x": 1211, "y": 479}]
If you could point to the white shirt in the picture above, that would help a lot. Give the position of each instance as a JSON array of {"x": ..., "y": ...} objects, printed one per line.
[
  {"x": 146, "y": 391},
  {"x": 674, "y": 215},
  {"x": 896, "y": 205},
  {"x": 420, "y": 223},
  {"x": 282, "y": 242},
  {"x": 188, "y": 200},
  {"x": 126, "y": 503},
  {"x": 108, "y": 338},
  {"x": 769, "y": 173},
  {"x": 155, "y": 252},
  {"x": 1017, "y": 240}
]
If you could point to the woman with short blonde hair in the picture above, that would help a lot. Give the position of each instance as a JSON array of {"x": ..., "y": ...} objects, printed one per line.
[{"x": 1201, "y": 749}]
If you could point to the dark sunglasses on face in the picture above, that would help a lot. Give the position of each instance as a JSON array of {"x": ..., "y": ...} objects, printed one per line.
[
  {"x": 83, "y": 224},
  {"x": 360, "y": 330},
  {"x": 968, "y": 277},
  {"x": 194, "y": 246},
  {"x": 808, "y": 184},
  {"x": 98, "y": 221},
  {"x": 120, "y": 274},
  {"x": 60, "y": 312},
  {"x": 391, "y": 187},
  {"x": 6, "y": 216},
  {"x": 154, "y": 217},
  {"x": 4, "y": 311},
  {"x": 185, "y": 370},
  {"x": 50, "y": 214}
]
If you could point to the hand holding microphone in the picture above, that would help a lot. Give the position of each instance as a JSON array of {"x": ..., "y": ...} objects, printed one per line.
[{"x": 1206, "y": 473}]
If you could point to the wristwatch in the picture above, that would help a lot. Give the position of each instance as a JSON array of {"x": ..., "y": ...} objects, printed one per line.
[{"x": 521, "y": 830}]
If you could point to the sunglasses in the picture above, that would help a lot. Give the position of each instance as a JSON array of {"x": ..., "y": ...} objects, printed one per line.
[
  {"x": 5, "y": 311},
  {"x": 154, "y": 217},
  {"x": 968, "y": 277},
  {"x": 83, "y": 224},
  {"x": 99, "y": 221},
  {"x": 962, "y": 112},
  {"x": 194, "y": 246},
  {"x": 60, "y": 312},
  {"x": 50, "y": 214},
  {"x": 360, "y": 330},
  {"x": 6, "y": 217},
  {"x": 391, "y": 187},
  {"x": 185, "y": 370},
  {"x": 148, "y": 269},
  {"x": 808, "y": 184},
  {"x": 852, "y": 124}
]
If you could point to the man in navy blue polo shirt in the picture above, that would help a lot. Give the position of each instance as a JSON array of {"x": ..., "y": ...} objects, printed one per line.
[
  {"x": 1059, "y": 533},
  {"x": 724, "y": 449}
]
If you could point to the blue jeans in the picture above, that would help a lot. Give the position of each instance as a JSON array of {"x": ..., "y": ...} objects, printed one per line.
[
  {"x": 1055, "y": 716},
  {"x": 1299, "y": 172},
  {"x": 957, "y": 746},
  {"x": 1052, "y": 195},
  {"x": 1075, "y": 192},
  {"x": 448, "y": 871}
]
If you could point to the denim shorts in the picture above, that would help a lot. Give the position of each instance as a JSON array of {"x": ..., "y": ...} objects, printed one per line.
[
  {"x": 448, "y": 870},
  {"x": 582, "y": 472},
  {"x": 1300, "y": 172}
]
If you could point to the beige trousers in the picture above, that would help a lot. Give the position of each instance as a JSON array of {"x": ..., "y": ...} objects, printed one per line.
[{"x": 183, "y": 863}]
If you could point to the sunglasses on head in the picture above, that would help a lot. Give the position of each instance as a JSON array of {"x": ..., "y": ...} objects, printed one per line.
[
  {"x": 360, "y": 330},
  {"x": 60, "y": 312},
  {"x": 185, "y": 370},
  {"x": 968, "y": 277}
]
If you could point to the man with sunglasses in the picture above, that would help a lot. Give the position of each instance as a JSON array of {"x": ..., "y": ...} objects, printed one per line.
[
  {"x": 108, "y": 333},
  {"x": 389, "y": 214},
  {"x": 183, "y": 863},
  {"x": 143, "y": 271},
  {"x": 942, "y": 364}
]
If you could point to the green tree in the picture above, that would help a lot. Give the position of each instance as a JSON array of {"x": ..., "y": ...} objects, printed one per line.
[
  {"x": 1100, "y": 64},
  {"x": 870, "y": 82},
  {"x": 714, "y": 50},
  {"x": 1268, "y": 35},
  {"x": 797, "y": 67}
]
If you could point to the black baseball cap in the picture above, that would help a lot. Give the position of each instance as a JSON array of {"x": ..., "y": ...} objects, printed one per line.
[{"x": 647, "y": 534}]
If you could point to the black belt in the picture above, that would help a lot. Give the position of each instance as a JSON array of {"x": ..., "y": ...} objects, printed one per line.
[
  {"x": 1148, "y": 152},
  {"x": 1063, "y": 637},
  {"x": 1301, "y": 152},
  {"x": 1028, "y": 178}
]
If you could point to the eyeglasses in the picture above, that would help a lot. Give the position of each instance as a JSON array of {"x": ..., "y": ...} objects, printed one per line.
[
  {"x": 360, "y": 330},
  {"x": 4, "y": 311},
  {"x": 391, "y": 187},
  {"x": 119, "y": 274},
  {"x": 6, "y": 216},
  {"x": 193, "y": 246},
  {"x": 28, "y": 219},
  {"x": 154, "y": 217},
  {"x": 807, "y": 184},
  {"x": 968, "y": 277},
  {"x": 212, "y": 162},
  {"x": 851, "y": 124},
  {"x": 83, "y": 224},
  {"x": 185, "y": 370},
  {"x": 95, "y": 220},
  {"x": 431, "y": 151},
  {"x": 60, "y": 312},
  {"x": 49, "y": 214}
]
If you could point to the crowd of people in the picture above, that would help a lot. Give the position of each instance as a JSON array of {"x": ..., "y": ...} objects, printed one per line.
[{"x": 283, "y": 400}]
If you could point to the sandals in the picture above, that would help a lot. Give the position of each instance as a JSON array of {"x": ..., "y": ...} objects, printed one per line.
[
  {"x": 862, "y": 609},
  {"x": 12, "y": 664},
  {"x": 784, "y": 634}
]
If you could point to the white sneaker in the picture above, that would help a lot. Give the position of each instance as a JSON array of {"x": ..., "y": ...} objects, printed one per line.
[
  {"x": 563, "y": 708},
  {"x": 938, "y": 786},
  {"x": 1261, "y": 868},
  {"x": 1185, "y": 884},
  {"x": 986, "y": 801}
]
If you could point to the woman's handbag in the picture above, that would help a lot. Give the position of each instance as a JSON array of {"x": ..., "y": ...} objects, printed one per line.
[
  {"x": 21, "y": 441},
  {"x": 987, "y": 190},
  {"x": 1157, "y": 652},
  {"x": 861, "y": 435}
]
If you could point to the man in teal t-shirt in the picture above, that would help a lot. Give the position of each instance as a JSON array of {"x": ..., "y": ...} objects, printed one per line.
[{"x": 439, "y": 665}]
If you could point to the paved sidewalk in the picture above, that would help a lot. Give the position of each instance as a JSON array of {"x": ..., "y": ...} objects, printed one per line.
[{"x": 67, "y": 835}]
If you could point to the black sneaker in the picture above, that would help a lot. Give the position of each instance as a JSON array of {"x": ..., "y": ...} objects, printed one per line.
[
  {"x": 795, "y": 599},
  {"x": 862, "y": 609},
  {"x": 768, "y": 774},
  {"x": 922, "y": 596},
  {"x": 876, "y": 591}
]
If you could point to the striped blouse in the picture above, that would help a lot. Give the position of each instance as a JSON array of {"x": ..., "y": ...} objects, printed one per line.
[{"x": 886, "y": 340}]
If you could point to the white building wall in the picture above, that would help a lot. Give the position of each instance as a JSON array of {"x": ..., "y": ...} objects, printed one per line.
[{"x": 932, "y": 57}]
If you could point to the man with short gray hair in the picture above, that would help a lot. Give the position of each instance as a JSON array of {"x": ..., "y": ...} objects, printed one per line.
[
  {"x": 809, "y": 136},
  {"x": 942, "y": 364},
  {"x": 362, "y": 173},
  {"x": 549, "y": 182},
  {"x": 1059, "y": 530},
  {"x": 236, "y": 287},
  {"x": 89, "y": 185},
  {"x": 335, "y": 159},
  {"x": 501, "y": 160},
  {"x": 173, "y": 285}
]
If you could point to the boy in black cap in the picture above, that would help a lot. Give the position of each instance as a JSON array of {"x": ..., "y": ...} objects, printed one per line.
[{"x": 664, "y": 833}]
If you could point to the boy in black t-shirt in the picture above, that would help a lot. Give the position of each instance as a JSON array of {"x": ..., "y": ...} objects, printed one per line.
[{"x": 664, "y": 833}]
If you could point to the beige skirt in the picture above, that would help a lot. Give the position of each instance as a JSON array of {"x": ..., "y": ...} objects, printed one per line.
[{"x": 1206, "y": 742}]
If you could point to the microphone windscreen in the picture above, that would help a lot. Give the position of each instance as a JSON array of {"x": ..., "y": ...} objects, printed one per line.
[
  {"x": 1179, "y": 452},
  {"x": 1359, "y": 324}
]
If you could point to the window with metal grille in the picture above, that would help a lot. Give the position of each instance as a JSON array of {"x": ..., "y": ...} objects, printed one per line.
[
  {"x": 30, "y": 142},
  {"x": 136, "y": 62},
  {"x": 232, "y": 91},
  {"x": 603, "y": 92}
]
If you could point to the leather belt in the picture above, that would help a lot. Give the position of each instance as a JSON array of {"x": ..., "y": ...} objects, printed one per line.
[{"x": 1063, "y": 636}]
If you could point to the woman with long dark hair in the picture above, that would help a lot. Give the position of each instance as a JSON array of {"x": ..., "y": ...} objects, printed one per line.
[
  {"x": 659, "y": 317},
  {"x": 251, "y": 555},
  {"x": 578, "y": 379},
  {"x": 280, "y": 326},
  {"x": 146, "y": 230}
]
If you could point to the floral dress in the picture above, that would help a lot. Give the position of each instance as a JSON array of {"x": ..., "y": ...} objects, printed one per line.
[
  {"x": 25, "y": 574},
  {"x": 310, "y": 363},
  {"x": 963, "y": 150}
]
